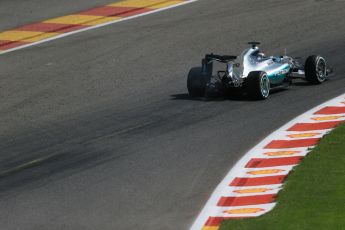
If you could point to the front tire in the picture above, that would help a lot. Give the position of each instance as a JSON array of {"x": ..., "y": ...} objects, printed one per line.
[
  {"x": 197, "y": 82},
  {"x": 258, "y": 85},
  {"x": 315, "y": 69}
]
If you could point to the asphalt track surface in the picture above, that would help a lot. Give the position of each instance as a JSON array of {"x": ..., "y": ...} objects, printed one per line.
[{"x": 97, "y": 131}]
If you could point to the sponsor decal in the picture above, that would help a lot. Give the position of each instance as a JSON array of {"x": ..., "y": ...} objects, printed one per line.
[
  {"x": 282, "y": 72},
  {"x": 281, "y": 153},
  {"x": 266, "y": 171},
  {"x": 327, "y": 118},
  {"x": 299, "y": 135},
  {"x": 244, "y": 211},
  {"x": 252, "y": 190}
]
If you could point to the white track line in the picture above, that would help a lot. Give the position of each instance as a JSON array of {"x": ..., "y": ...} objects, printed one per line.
[
  {"x": 96, "y": 26},
  {"x": 239, "y": 168}
]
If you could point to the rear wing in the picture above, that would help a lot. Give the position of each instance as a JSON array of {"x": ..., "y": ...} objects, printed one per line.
[
  {"x": 207, "y": 62},
  {"x": 220, "y": 58}
]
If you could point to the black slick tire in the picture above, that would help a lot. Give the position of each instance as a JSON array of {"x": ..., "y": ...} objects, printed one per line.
[
  {"x": 197, "y": 82},
  {"x": 257, "y": 85},
  {"x": 315, "y": 69}
]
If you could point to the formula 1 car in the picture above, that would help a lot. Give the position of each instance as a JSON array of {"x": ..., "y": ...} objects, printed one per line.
[{"x": 254, "y": 73}]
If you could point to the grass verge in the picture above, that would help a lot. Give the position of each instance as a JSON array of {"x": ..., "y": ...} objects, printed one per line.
[{"x": 314, "y": 194}]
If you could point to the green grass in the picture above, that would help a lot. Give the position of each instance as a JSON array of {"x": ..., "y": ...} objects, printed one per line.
[{"x": 314, "y": 194}]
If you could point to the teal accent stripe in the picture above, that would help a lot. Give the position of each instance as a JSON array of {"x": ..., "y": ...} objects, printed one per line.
[{"x": 274, "y": 74}]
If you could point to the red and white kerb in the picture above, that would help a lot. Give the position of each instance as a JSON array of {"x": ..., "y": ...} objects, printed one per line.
[{"x": 251, "y": 187}]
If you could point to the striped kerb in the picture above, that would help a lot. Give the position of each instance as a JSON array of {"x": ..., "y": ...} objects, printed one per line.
[
  {"x": 251, "y": 190},
  {"x": 272, "y": 162},
  {"x": 257, "y": 181},
  {"x": 331, "y": 110},
  {"x": 246, "y": 200},
  {"x": 50, "y": 28},
  {"x": 314, "y": 126},
  {"x": 282, "y": 144}
]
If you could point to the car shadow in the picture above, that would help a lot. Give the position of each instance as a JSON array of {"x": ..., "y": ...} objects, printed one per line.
[
  {"x": 221, "y": 97},
  {"x": 301, "y": 83},
  {"x": 187, "y": 97}
]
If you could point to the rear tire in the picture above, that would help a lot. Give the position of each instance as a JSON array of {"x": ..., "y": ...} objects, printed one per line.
[
  {"x": 197, "y": 82},
  {"x": 258, "y": 85},
  {"x": 315, "y": 69}
]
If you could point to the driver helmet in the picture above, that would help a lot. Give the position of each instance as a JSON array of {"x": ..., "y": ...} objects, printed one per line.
[{"x": 260, "y": 55}]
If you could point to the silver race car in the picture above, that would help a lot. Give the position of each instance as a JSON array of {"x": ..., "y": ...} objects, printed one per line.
[{"x": 253, "y": 73}]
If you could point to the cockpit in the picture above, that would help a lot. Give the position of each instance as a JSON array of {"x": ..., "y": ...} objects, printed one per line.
[{"x": 258, "y": 56}]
